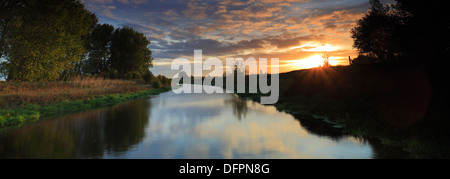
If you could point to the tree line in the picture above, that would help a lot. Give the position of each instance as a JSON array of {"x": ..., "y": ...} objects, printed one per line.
[
  {"x": 407, "y": 31},
  {"x": 47, "y": 40}
]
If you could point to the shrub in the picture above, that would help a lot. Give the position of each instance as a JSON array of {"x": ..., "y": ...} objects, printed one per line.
[
  {"x": 156, "y": 84},
  {"x": 148, "y": 77}
]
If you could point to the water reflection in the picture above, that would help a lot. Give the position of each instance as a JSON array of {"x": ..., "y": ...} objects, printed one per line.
[
  {"x": 182, "y": 126},
  {"x": 85, "y": 135},
  {"x": 239, "y": 106},
  {"x": 319, "y": 127}
]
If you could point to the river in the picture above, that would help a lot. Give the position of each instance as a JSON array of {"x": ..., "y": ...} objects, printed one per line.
[{"x": 185, "y": 126}]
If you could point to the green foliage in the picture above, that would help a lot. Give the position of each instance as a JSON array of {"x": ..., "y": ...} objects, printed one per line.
[
  {"x": 7, "y": 10},
  {"x": 99, "y": 41},
  {"x": 32, "y": 112},
  {"x": 129, "y": 53},
  {"x": 3, "y": 69},
  {"x": 148, "y": 77},
  {"x": 156, "y": 84},
  {"x": 164, "y": 80},
  {"x": 45, "y": 38}
]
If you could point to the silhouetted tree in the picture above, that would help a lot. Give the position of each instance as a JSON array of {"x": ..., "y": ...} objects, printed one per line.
[
  {"x": 425, "y": 30},
  {"x": 326, "y": 59},
  {"x": 413, "y": 31},
  {"x": 374, "y": 32},
  {"x": 425, "y": 39}
]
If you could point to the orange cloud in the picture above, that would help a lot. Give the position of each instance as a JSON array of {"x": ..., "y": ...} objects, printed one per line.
[{"x": 286, "y": 29}]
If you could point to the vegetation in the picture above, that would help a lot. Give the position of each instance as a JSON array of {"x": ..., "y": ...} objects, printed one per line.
[
  {"x": 326, "y": 59},
  {"x": 386, "y": 108},
  {"x": 98, "y": 43},
  {"x": 395, "y": 91},
  {"x": 117, "y": 53},
  {"x": 55, "y": 57},
  {"x": 409, "y": 31},
  {"x": 19, "y": 94},
  {"x": 42, "y": 40},
  {"x": 57, "y": 40},
  {"x": 130, "y": 56},
  {"x": 400, "y": 101},
  {"x": 21, "y": 102},
  {"x": 43, "y": 141},
  {"x": 32, "y": 110}
]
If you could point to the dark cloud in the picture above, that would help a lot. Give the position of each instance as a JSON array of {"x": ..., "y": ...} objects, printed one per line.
[{"x": 286, "y": 43}]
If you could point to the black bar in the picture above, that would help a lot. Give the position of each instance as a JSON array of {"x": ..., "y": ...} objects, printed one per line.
[{"x": 222, "y": 168}]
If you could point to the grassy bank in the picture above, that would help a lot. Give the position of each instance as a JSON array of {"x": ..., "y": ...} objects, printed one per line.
[
  {"x": 393, "y": 105},
  {"x": 20, "y": 94},
  {"x": 26, "y": 102}
]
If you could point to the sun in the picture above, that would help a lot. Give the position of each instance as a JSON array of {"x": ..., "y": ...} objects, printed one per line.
[{"x": 310, "y": 62}]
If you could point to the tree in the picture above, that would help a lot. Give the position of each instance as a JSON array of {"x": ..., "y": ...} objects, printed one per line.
[
  {"x": 5, "y": 18},
  {"x": 413, "y": 31},
  {"x": 130, "y": 55},
  {"x": 43, "y": 38},
  {"x": 417, "y": 33},
  {"x": 99, "y": 43},
  {"x": 326, "y": 59},
  {"x": 425, "y": 30},
  {"x": 374, "y": 33}
]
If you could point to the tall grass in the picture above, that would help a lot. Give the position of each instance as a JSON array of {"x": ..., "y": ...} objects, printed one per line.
[
  {"x": 19, "y": 94},
  {"x": 33, "y": 112}
]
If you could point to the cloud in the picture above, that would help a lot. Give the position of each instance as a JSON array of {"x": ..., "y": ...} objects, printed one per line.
[
  {"x": 108, "y": 12},
  {"x": 98, "y": 1},
  {"x": 237, "y": 27},
  {"x": 292, "y": 42},
  {"x": 335, "y": 17},
  {"x": 131, "y": 1},
  {"x": 196, "y": 10}
]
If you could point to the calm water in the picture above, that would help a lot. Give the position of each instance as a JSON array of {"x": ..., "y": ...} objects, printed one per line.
[{"x": 184, "y": 126}]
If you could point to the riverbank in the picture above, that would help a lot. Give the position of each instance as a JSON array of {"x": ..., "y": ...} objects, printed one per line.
[
  {"x": 20, "y": 94},
  {"x": 393, "y": 105},
  {"x": 26, "y": 102}
]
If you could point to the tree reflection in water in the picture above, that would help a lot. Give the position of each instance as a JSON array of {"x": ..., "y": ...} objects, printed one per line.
[
  {"x": 239, "y": 106},
  {"x": 187, "y": 126},
  {"x": 84, "y": 135},
  {"x": 321, "y": 128}
]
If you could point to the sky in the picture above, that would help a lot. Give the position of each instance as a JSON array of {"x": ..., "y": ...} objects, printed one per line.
[{"x": 297, "y": 32}]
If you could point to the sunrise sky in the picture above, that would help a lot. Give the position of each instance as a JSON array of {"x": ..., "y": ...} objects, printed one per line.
[{"x": 295, "y": 31}]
